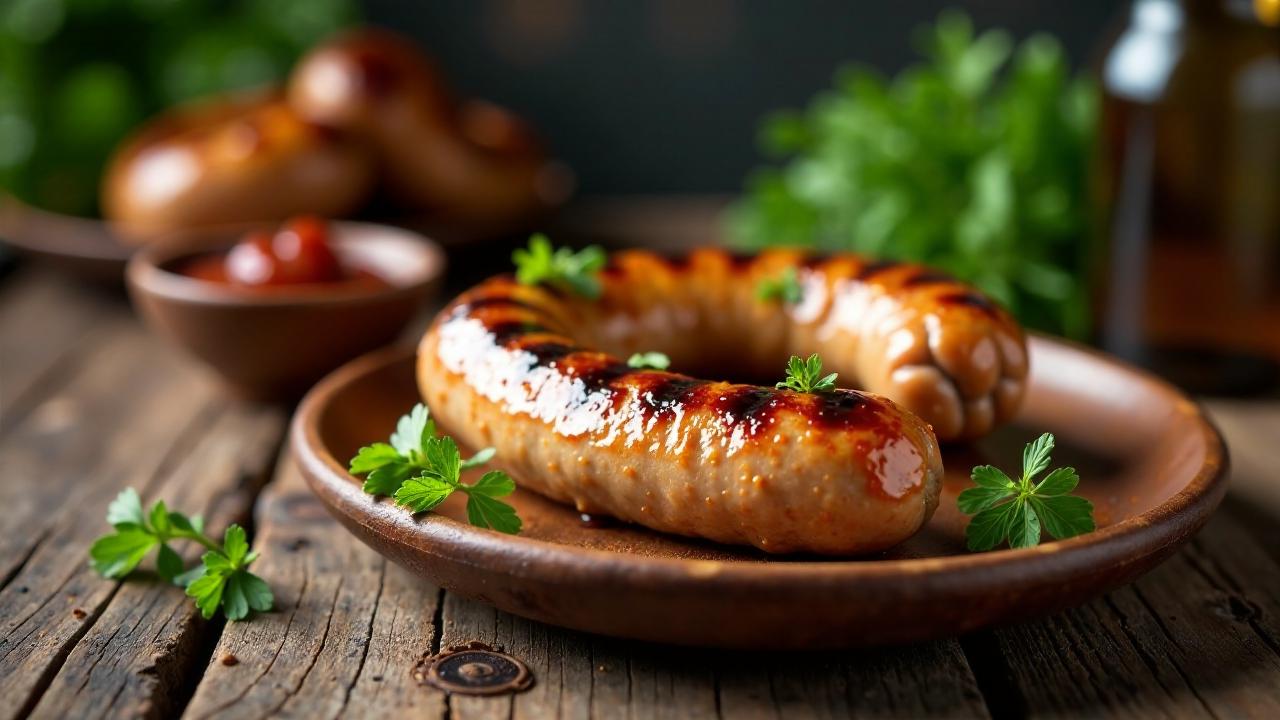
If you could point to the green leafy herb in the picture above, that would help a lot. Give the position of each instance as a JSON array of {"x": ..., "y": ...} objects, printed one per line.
[
  {"x": 221, "y": 580},
  {"x": 654, "y": 360},
  {"x": 224, "y": 580},
  {"x": 806, "y": 376},
  {"x": 975, "y": 161},
  {"x": 785, "y": 288},
  {"x": 562, "y": 268},
  {"x": 420, "y": 470},
  {"x": 1016, "y": 511}
]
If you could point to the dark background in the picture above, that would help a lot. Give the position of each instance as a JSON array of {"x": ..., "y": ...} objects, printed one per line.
[{"x": 665, "y": 95}]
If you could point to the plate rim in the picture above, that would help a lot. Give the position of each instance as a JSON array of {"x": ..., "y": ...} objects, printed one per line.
[{"x": 1129, "y": 541}]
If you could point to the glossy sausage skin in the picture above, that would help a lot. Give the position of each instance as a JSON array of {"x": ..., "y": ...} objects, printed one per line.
[
  {"x": 539, "y": 375},
  {"x": 234, "y": 160},
  {"x": 471, "y": 161}
]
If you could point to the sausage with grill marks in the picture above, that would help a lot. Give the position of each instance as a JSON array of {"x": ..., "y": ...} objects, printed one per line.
[{"x": 538, "y": 374}]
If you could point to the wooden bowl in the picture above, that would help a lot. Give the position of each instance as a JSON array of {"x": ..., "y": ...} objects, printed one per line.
[
  {"x": 1154, "y": 467},
  {"x": 274, "y": 344}
]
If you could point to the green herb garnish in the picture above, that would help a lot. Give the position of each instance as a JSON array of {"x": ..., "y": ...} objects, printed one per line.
[
  {"x": 806, "y": 376},
  {"x": 1003, "y": 509},
  {"x": 561, "y": 268},
  {"x": 221, "y": 580},
  {"x": 975, "y": 161},
  {"x": 653, "y": 360},
  {"x": 421, "y": 470},
  {"x": 785, "y": 288}
]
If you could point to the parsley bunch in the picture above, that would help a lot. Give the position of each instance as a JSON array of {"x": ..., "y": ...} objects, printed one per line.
[
  {"x": 806, "y": 376},
  {"x": 221, "y": 580},
  {"x": 974, "y": 161},
  {"x": 785, "y": 288},
  {"x": 561, "y": 268},
  {"x": 1004, "y": 509},
  {"x": 420, "y": 470}
]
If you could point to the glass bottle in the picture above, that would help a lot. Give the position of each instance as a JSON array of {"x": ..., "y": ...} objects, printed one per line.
[{"x": 1188, "y": 173}]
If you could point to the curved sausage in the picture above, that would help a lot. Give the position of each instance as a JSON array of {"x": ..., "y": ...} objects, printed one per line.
[
  {"x": 474, "y": 161},
  {"x": 231, "y": 161},
  {"x": 537, "y": 374}
]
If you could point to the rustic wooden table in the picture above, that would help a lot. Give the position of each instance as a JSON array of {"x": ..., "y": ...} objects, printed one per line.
[{"x": 91, "y": 403}]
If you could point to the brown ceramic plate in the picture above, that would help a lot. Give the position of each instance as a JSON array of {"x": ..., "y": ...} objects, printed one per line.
[{"x": 1149, "y": 460}]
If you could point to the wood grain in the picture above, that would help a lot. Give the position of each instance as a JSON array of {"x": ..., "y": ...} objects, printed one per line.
[
  {"x": 579, "y": 675},
  {"x": 1197, "y": 637},
  {"x": 314, "y": 655},
  {"x": 139, "y": 652},
  {"x": 62, "y": 468},
  {"x": 43, "y": 323}
]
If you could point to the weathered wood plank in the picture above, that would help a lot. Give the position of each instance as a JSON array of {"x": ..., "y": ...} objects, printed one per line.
[
  {"x": 62, "y": 466},
  {"x": 346, "y": 633},
  {"x": 45, "y": 324},
  {"x": 145, "y": 645},
  {"x": 1197, "y": 637},
  {"x": 1252, "y": 430}
]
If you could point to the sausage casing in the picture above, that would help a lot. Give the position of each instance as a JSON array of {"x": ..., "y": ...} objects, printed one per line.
[{"x": 539, "y": 375}]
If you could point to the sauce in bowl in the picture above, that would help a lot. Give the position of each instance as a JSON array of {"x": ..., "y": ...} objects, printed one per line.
[{"x": 299, "y": 253}]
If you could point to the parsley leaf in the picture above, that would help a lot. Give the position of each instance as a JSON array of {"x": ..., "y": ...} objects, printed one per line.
[
  {"x": 786, "y": 288},
  {"x": 561, "y": 268},
  {"x": 126, "y": 508},
  {"x": 221, "y": 580},
  {"x": 653, "y": 360},
  {"x": 479, "y": 458},
  {"x": 494, "y": 484},
  {"x": 225, "y": 580},
  {"x": 423, "y": 493},
  {"x": 1016, "y": 512},
  {"x": 806, "y": 376},
  {"x": 374, "y": 457},
  {"x": 422, "y": 474},
  {"x": 117, "y": 555},
  {"x": 484, "y": 510},
  {"x": 412, "y": 430}
]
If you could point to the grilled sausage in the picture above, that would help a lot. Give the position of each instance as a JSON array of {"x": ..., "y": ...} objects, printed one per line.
[
  {"x": 469, "y": 161},
  {"x": 232, "y": 160},
  {"x": 537, "y": 374}
]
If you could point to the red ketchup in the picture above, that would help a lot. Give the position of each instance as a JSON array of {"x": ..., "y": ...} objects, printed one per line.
[{"x": 298, "y": 253}]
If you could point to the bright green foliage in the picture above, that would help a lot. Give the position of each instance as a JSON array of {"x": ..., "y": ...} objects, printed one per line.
[
  {"x": 561, "y": 268},
  {"x": 974, "y": 161},
  {"x": 221, "y": 580},
  {"x": 806, "y": 376},
  {"x": 1003, "y": 509},
  {"x": 785, "y": 288},
  {"x": 651, "y": 360},
  {"x": 421, "y": 470}
]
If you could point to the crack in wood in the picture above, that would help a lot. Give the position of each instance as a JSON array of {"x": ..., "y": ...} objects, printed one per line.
[
  {"x": 1186, "y": 678},
  {"x": 25, "y": 557},
  {"x": 50, "y": 671},
  {"x": 364, "y": 650}
]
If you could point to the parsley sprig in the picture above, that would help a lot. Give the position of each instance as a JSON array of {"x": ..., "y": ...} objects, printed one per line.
[
  {"x": 785, "y": 288},
  {"x": 806, "y": 376},
  {"x": 222, "y": 579},
  {"x": 1016, "y": 511},
  {"x": 560, "y": 267},
  {"x": 420, "y": 470},
  {"x": 650, "y": 360}
]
